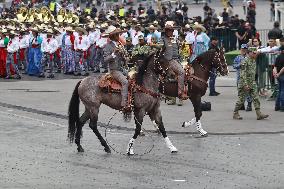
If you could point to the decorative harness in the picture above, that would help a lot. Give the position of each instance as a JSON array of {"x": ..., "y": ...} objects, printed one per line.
[{"x": 216, "y": 59}]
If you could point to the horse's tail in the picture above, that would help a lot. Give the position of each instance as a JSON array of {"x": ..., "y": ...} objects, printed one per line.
[{"x": 73, "y": 113}]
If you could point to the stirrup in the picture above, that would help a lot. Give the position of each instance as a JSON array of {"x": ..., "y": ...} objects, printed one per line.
[
  {"x": 183, "y": 96},
  {"x": 126, "y": 108}
]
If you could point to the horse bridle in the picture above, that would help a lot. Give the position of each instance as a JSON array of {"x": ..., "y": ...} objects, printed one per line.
[{"x": 216, "y": 60}]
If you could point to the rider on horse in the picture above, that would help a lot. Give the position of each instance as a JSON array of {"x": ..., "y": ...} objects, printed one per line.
[
  {"x": 115, "y": 58},
  {"x": 172, "y": 55}
]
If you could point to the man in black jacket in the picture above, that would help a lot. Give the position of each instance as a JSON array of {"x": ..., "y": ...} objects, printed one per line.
[{"x": 276, "y": 32}]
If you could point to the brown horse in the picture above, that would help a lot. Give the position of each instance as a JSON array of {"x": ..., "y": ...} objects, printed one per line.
[
  {"x": 197, "y": 83},
  {"x": 145, "y": 100}
]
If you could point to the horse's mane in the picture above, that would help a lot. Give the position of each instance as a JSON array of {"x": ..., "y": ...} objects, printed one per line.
[
  {"x": 142, "y": 69},
  {"x": 203, "y": 56}
]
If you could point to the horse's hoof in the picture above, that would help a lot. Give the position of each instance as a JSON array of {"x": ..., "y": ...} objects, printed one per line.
[
  {"x": 204, "y": 135},
  {"x": 130, "y": 153},
  {"x": 186, "y": 124},
  {"x": 80, "y": 149},
  {"x": 107, "y": 150},
  {"x": 142, "y": 134}
]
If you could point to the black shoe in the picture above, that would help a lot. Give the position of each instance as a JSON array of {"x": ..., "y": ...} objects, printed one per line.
[
  {"x": 41, "y": 76},
  {"x": 276, "y": 108},
  {"x": 242, "y": 107},
  {"x": 105, "y": 71},
  {"x": 25, "y": 73},
  {"x": 85, "y": 74},
  {"x": 97, "y": 71},
  {"x": 18, "y": 77},
  {"x": 50, "y": 76},
  {"x": 214, "y": 94}
]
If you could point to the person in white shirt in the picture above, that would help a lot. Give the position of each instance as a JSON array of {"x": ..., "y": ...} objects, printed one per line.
[
  {"x": 49, "y": 46},
  {"x": 81, "y": 46},
  {"x": 100, "y": 44},
  {"x": 24, "y": 39},
  {"x": 92, "y": 36},
  {"x": 135, "y": 33},
  {"x": 12, "y": 49},
  {"x": 57, "y": 56}
]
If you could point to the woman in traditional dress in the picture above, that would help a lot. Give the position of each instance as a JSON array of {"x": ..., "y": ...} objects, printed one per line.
[
  {"x": 34, "y": 55},
  {"x": 3, "y": 53},
  {"x": 199, "y": 40}
]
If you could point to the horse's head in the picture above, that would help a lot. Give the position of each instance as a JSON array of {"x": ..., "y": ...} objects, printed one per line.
[{"x": 220, "y": 63}]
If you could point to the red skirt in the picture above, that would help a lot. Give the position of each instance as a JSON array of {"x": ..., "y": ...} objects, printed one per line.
[{"x": 3, "y": 55}]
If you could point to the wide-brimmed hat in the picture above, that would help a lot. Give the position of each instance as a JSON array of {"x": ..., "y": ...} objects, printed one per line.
[
  {"x": 140, "y": 36},
  {"x": 170, "y": 25},
  {"x": 35, "y": 29},
  {"x": 49, "y": 31},
  {"x": 13, "y": 32},
  {"x": 151, "y": 27},
  {"x": 199, "y": 26},
  {"x": 80, "y": 29},
  {"x": 111, "y": 30},
  {"x": 4, "y": 30},
  {"x": 69, "y": 28}
]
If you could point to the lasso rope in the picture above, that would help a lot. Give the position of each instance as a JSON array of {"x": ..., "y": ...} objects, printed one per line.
[{"x": 112, "y": 146}]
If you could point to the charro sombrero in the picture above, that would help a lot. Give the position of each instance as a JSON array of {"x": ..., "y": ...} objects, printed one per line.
[
  {"x": 151, "y": 27},
  {"x": 69, "y": 28},
  {"x": 80, "y": 29},
  {"x": 170, "y": 25},
  {"x": 112, "y": 30},
  {"x": 199, "y": 26}
]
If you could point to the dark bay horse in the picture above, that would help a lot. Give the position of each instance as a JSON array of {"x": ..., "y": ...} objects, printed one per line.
[
  {"x": 197, "y": 83},
  {"x": 146, "y": 101}
]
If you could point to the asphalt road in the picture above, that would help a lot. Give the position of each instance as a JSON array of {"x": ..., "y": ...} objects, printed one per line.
[{"x": 35, "y": 153}]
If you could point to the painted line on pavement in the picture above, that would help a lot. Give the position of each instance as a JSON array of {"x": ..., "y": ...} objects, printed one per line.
[
  {"x": 116, "y": 127},
  {"x": 49, "y": 122}
]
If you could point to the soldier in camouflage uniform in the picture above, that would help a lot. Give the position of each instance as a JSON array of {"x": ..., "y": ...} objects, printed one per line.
[{"x": 247, "y": 86}]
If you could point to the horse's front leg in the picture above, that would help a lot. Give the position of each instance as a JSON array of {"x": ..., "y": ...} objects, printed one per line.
[
  {"x": 196, "y": 101},
  {"x": 156, "y": 114},
  {"x": 139, "y": 115}
]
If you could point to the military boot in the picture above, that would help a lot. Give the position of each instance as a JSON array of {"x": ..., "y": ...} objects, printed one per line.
[
  {"x": 237, "y": 116},
  {"x": 171, "y": 101},
  {"x": 260, "y": 116},
  {"x": 242, "y": 107},
  {"x": 248, "y": 109}
]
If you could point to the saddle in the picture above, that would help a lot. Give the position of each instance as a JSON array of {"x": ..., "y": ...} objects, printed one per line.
[{"x": 108, "y": 83}]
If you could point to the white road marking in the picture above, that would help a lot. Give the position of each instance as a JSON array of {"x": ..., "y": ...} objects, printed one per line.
[
  {"x": 179, "y": 180},
  {"x": 42, "y": 122}
]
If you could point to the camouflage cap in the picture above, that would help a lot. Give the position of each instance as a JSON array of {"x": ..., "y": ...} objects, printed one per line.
[{"x": 252, "y": 49}]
